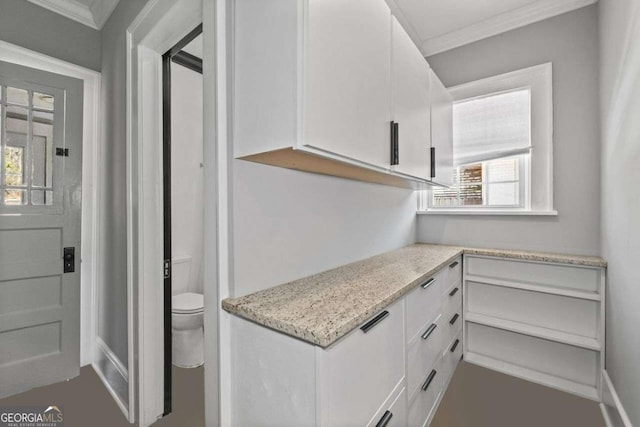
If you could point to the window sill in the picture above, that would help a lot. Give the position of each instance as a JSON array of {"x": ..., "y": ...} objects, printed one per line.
[{"x": 486, "y": 212}]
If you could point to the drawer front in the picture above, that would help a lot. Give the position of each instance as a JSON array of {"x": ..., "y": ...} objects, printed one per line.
[
  {"x": 393, "y": 413},
  {"x": 361, "y": 370},
  {"x": 559, "y": 360},
  {"x": 452, "y": 322},
  {"x": 558, "y": 275},
  {"x": 423, "y": 352},
  {"x": 424, "y": 302},
  {"x": 424, "y": 401},
  {"x": 455, "y": 271},
  {"x": 451, "y": 357},
  {"x": 572, "y": 315},
  {"x": 452, "y": 298}
]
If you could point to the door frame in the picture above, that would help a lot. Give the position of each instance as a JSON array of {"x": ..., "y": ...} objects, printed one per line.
[
  {"x": 158, "y": 27},
  {"x": 92, "y": 171}
]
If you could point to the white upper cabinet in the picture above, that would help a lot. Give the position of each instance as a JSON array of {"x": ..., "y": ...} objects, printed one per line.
[
  {"x": 441, "y": 131},
  {"x": 411, "y": 105},
  {"x": 348, "y": 79}
]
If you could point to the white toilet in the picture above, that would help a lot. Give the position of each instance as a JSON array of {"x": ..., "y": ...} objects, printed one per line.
[{"x": 187, "y": 318}]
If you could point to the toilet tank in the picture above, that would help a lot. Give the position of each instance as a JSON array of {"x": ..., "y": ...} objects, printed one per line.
[{"x": 180, "y": 274}]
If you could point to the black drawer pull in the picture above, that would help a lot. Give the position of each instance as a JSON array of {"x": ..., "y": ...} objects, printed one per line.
[
  {"x": 454, "y": 346},
  {"x": 430, "y": 378},
  {"x": 429, "y": 331},
  {"x": 428, "y": 283},
  {"x": 453, "y": 264},
  {"x": 385, "y": 419},
  {"x": 453, "y": 292},
  {"x": 453, "y": 319},
  {"x": 373, "y": 322}
]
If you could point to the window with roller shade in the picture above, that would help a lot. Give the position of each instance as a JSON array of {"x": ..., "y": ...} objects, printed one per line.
[{"x": 502, "y": 144}]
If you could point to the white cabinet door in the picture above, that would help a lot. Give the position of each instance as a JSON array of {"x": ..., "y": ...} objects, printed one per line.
[
  {"x": 411, "y": 105},
  {"x": 441, "y": 131},
  {"x": 348, "y": 79}
]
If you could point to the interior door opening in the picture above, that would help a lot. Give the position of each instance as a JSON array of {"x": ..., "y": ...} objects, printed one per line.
[{"x": 183, "y": 223}]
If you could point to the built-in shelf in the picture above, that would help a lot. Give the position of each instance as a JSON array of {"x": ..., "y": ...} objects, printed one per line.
[
  {"x": 535, "y": 331},
  {"x": 565, "y": 292},
  {"x": 584, "y": 390}
]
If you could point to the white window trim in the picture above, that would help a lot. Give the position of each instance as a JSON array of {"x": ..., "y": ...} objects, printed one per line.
[{"x": 540, "y": 194}]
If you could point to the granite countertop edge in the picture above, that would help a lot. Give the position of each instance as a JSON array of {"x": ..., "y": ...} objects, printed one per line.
[{"x": 248, "y": 306}]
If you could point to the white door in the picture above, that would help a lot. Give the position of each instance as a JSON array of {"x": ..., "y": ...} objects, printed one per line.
[
  {"x": 40, "y": 204},
  {"x": 347, "y": 106},
  {"x": 411, "y": 106},
  {"x": 441, "y": 131}
]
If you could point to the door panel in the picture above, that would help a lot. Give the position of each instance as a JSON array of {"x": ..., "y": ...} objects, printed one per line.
[
  {"x": 40, "y": 212},
  {"x": 411, "y": 105},
  {"x": 442, "y": 131}
]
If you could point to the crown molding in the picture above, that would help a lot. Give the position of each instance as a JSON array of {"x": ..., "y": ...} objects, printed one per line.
[
  {"x": 94, "y": 16},
  {"x": 498, "y": 24}
]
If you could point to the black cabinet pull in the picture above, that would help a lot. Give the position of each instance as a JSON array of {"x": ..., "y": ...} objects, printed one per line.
[
  {"x": 385, "y": 419},
  {"x": 453, "y": 292},
  {"x": 429, "y": 331},
  {"x": 430, "y": 378},
  {"x": 453, "y": 319},
  {"x": 397, "y": 136},
  {"x": 454, "y": 346},
  {"x": 433, "y": 162},
  {"x": 373, "y": 322},
  {"x": 453, "y": 264},
  {"x": 393, "y": 153},
  {"x": 428, "y": 283}
]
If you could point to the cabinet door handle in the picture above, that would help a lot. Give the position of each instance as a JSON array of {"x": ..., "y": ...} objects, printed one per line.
[
  {"x": 393, "y": 153},
  {"x": 433, "y": 162},
  {"x": 453, "y": 292},
  {"x": 396, "y": 133},
  {"x": 429, "y": 331},
  {"x": 454, "y": 346},
  {"x": 373, "y": 322},
  {"x": 453, "y": 264},
  {"x": 428, "y": 283},
  {"x": 386, "y": 417},
  {"x": 453, "y": 319},
  {"x": 430, "y": 378}
]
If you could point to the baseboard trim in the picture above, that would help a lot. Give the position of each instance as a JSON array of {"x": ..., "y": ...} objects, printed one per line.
[
  {"x": 612, "y": 410},
  {"x": 113, "y": 374}
]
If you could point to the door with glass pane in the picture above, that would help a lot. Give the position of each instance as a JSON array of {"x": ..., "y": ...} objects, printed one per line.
[{"x": 40, "y": 212}]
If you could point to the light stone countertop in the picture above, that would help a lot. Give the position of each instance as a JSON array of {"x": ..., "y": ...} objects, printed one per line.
[{"x": 322, "y": 308}]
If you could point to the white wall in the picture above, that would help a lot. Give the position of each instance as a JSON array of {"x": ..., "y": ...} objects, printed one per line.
[
  {"x": 186, "y": 178},
  {"x": 620, "y": 109},
  {"x": 290, "y": 224},
  {"x": 570, "y": 42}
]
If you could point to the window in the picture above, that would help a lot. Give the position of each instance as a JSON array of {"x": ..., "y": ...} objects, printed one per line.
[{"x": 502, "y": 147}]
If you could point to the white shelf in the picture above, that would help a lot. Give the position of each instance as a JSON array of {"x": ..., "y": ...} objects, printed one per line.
[
  {"x": 535, "y": 331},
  {"x": 572, "y": 293},
  {"x": 583, "y": 390}
]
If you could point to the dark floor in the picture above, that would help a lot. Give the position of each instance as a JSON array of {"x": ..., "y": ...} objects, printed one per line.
[
  {"x": 87, "y": 403},
  {"x": 479, "y": 397}
]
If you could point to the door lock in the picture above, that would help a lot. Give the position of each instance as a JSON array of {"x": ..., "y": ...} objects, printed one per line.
[{"x": 69, "y": 260}]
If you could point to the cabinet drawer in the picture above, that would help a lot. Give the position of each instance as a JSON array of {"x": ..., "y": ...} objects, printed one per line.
[
  {"x": 423, "y": 352},
  {"x": 424, "y": 302},
  {"x": 361, "y": 370},
  {"x": 561, "y": 313},
  {"x": 424, "y": 402},
  {"x": 452, "y": 323},
  {"x": 455, "y": 271},
  {"x": 452, "y": 298},
  {"x": 451, "y": 357},
  {"x": 393, "y": 413},
  {"x": 557, "y": 275},
  {"x": 574, "y": 364}
]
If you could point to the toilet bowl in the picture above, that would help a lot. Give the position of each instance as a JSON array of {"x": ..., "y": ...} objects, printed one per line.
[{"x": 187, "y": 320}]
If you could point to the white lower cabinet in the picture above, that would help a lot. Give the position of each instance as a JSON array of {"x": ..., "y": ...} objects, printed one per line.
[{"x": 392, "y": 413}]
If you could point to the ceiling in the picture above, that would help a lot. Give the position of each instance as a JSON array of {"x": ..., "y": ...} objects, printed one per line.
[
  {"x": 439, "y": 25},
  {"x": 92, "y": 13}
]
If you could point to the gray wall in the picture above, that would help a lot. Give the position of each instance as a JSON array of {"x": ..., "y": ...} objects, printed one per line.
[
  {"x": 570, "y": 42},
  {"x": 36, "y": 28},
  {"x": 620, "y": 108},
  {"x": 112, "y": 321},
  {"x": 290, "y": 224}
]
